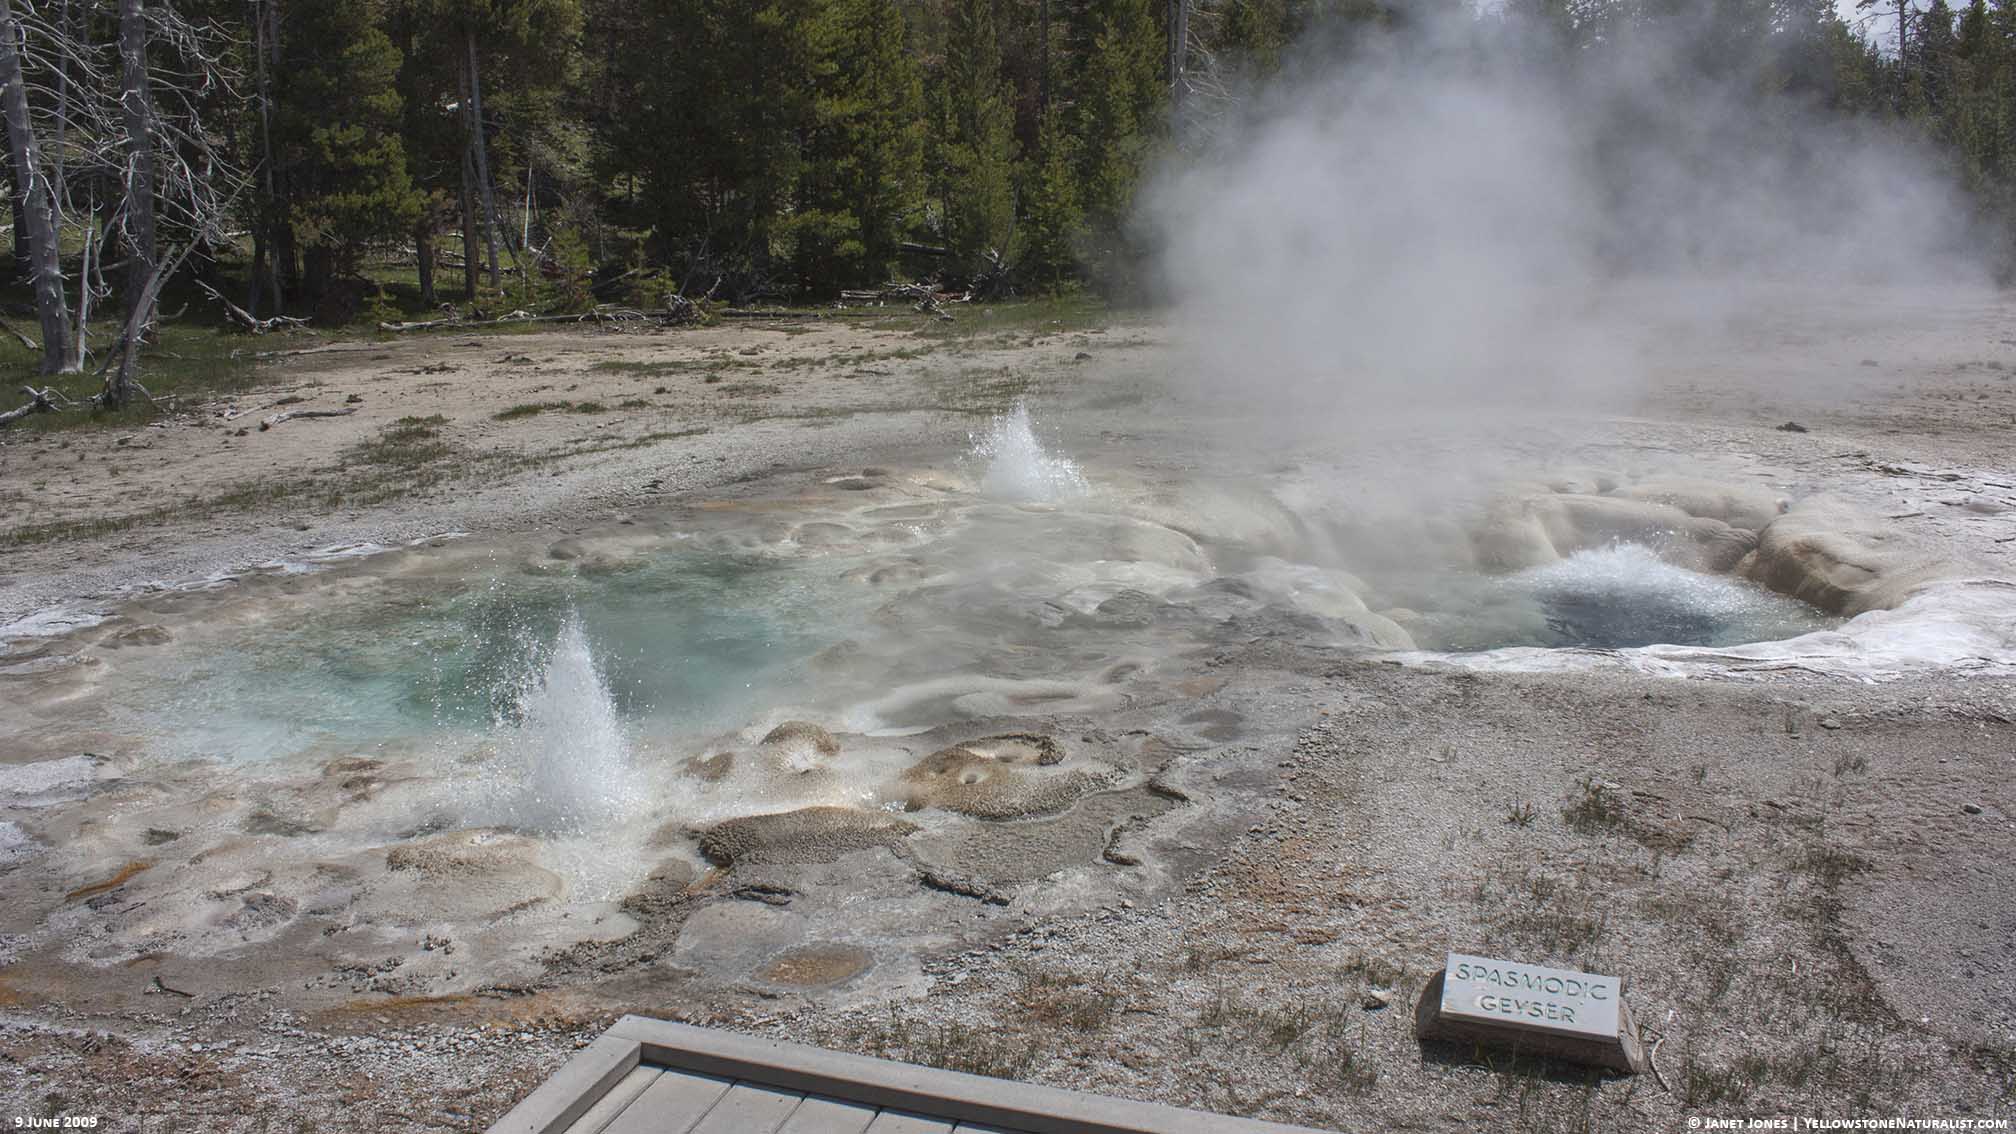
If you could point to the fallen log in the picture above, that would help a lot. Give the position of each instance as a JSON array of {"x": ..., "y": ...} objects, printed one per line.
[
  {"x": 290, "y": 415},
  {"x": 252, "y": 322},
  {"x": 677, "y": 310},
  {"x": 921, "y": 297},
  {"x": 761, "y": 313},
  {"x": 338, "y": 348},
  {"x": 39, "y": 401},
  {"x": 436, "y": 324}
]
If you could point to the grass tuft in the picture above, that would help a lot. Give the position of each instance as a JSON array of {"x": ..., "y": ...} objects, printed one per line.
[{"x": 529, "y": 409}]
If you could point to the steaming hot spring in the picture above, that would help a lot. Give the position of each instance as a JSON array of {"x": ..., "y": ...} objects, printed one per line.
[{"x": 523, "y": 744}]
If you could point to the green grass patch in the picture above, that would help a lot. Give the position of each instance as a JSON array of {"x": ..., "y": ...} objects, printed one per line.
[
  {"x": 409, "y": 443},
  {"x": 534, "y": 409},
  {"x": 189, "y": 364},
  {"x": 1047, "y": 315},
  {"x": 530, "y": 409},
  {"x": 678, "y": 365}
]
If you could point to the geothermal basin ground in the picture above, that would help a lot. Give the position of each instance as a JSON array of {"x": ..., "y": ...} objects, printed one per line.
[{"x": 1011, "y": 699}]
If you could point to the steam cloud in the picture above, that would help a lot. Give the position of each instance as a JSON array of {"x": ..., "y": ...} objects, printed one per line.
[{"x": 1451, "y": 210}]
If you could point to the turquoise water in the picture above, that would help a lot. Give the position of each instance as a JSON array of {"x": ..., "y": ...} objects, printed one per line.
[
  {"x": 1616, "y": 597},
  {"x": 687, "y": 641},
  {"x": 696, "y": 638}
]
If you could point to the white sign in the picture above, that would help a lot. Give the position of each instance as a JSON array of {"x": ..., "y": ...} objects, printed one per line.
[{"x": 1558, "y": 1001}]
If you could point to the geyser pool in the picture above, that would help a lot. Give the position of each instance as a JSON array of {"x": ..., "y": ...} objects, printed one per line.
[
  {"x": 565, "y": 686},
  {"x": 687, "y": 639},
  {"x": 565, "y": 674},
  {"x": 1625, "y": 595},
  {"x": 1616, "y": 597},
  {"x": 529, "y": 728}
]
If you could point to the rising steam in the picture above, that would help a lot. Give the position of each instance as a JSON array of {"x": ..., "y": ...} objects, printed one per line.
[{"x": 1454, "y": 210}]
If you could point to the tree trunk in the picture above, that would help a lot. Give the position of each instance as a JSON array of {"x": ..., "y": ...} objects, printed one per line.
[
  {"x": 19, "y": 206},
  {"x": 472, "y": 260},
  {"x": 136, "y": 105},
  {"x": 74, "y": 32},
  {"x": 1903, "y": 33},
  {"x": 1179, "y": 48},
  {"x": 423, "y": 246},
  {"x": 525, "y": 232},
  {"x": 44, "y": 266},
  {"x": 262, "y": 272},
  {"x": 286, "y": 259},
  {"x": 266, "y": 36},
  {"x": 482, "y": 154},
  {"x": 1043, "y": 38},
  {"x": 90, "y": 277},
  {"x": 129, "y": 344},
  {"x": 318, "y": 265}
]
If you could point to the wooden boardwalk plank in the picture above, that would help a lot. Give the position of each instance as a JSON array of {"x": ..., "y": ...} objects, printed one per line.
[
  {"x": 749, "y": 1108},
  {"x": 610, "y": 1105},
  {"x": 573, "y": 1089},
  {"x": 772, "y": 1079},
  {"x": 1025, "y": 1108},
  {"x": 673, "y": 1104},
  {"x": 897, "y": 1122},
  {"x": 828, "y": 1116}
]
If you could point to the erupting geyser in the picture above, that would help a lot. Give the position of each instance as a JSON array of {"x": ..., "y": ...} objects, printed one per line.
[
  {"x": 569, "y": 745},
  {"x": 1018, "y": 467}
]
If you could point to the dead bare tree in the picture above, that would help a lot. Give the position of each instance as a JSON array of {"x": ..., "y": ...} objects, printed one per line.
[
  {"x": 246, "y": 319},
  {"x": 45, "y": 400},
  {"x": 136, "y": 103},
  {"x": 171, "y": 162},
  {"x": 134, "y": 126},
  {"x": 471, "y": 262},
  {"x": 45, "y": 267},
  {"x": 1206, "y": 88},
  {"x": 480, "y": 152},
  {"x": 265, "y": 52}
]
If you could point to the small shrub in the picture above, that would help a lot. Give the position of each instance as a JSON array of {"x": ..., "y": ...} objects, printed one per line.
[
  {"x": 529, "y": 409},
  {"x": 407, "y": 443},
  {"x": 1594, "y": 809}
]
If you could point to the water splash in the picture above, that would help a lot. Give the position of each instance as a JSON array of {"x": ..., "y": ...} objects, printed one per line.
[
  {"x": 563, "y": 735},
  {"x": 1018, "y": 467}
]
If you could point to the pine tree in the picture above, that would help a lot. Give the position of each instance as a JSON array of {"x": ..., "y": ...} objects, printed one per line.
[
  {"x": 721, "y": 94},
  {"x": 1055, "y": 224},
  {"x": 979, "y": 148},
  {"x": 337, "y": 137},
  {"x": 510, "y": 57},
  {"x": 433, "y": 132},
  {"x": 1119, "y": 96},
  {"x": 863, "y": 148},
  {"x": 1936, "y": 49}
]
